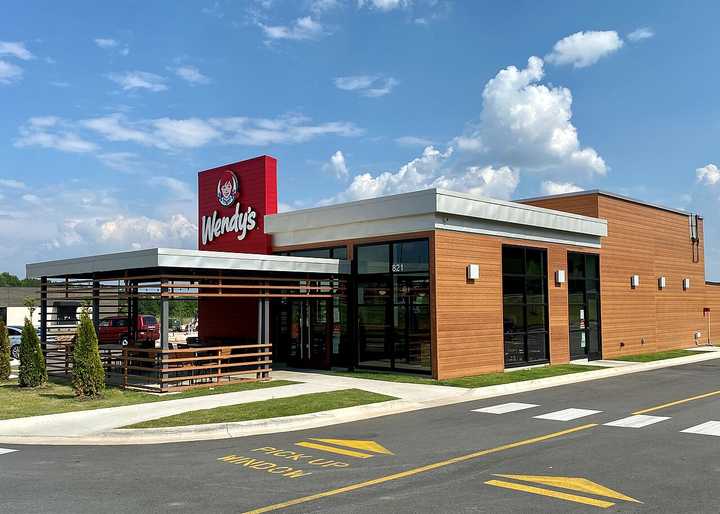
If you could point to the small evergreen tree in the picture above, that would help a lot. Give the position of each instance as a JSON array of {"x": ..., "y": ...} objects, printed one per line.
[
  {"x": 32, "y": 372},
  {"x": 4, "y": 352},
  {"x": 88, "y": 373}
]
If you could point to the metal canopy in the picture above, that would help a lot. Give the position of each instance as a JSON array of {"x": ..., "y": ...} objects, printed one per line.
[{"x": 175, "y": 260}]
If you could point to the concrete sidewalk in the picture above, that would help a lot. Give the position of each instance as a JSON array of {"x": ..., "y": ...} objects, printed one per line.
[
  {"x": 92, "y": 422},
  {"x": 101, "y": 426}
]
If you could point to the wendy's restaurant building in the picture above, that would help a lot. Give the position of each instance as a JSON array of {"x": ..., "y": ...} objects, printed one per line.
[{"x": 436, "y": 282}]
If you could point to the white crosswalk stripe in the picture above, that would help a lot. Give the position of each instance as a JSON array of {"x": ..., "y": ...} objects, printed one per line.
[
  {"x": 637, "y": 421},
  {"x": 709, "y": 428},
  {"x": 567, "y": 414},
  {"x": 6, "y": 450},
  {"x": 504, "y": 408}
]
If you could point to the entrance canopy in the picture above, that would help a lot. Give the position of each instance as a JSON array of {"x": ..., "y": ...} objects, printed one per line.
[
  {"x": 232, "y": 292},
  {"x": 173, "y": 259}
]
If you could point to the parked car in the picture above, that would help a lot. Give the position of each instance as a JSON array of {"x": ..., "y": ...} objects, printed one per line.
[
  {"x": 115, "y": 329},
  {"x": 14, "y": 333}
]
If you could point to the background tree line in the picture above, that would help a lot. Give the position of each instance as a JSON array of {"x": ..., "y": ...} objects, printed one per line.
[{"x": 10, "y": 280}]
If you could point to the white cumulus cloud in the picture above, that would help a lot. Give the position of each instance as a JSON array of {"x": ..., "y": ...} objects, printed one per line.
[
  {"x": 413, "y": 141},
  {"x": 337, "y": 165},
  {"x": 113, "y": 45},
  {"x": 173, "y": 133},
  {"x": 12, "y": 183},
  {"x": 191, "y": 75},
  {"x": 584, "y": 48},
  {"x": 9, "y": 72},
  {"x": 15, "y": 49},
  {"x": 641, "y": 34},
  {"x": 484, "y": 181},
  {"x": 384, "y": 5},
  {"x": 51, "y": 132},
  {"x": 527, "y": 124},
  {"x": 302, "y": 28},
  {"x": 432, "y": 169},
  {"x": 318, "y": 7},
  {"x": 106, "y": 42},
  {"x": 372, "y": 86},
  {"x": 548, "y": 187},
  {"x": 131, "y": 80},
  {"x": 104, "y": 234},
  {"x": 708, "y": 174}
]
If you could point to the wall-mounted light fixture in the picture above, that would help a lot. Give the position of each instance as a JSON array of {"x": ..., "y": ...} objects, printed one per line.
[
  {"x": 686, "y": 284},
  {"x": 560, "y": 277},
  {"x": 635, "y": 281},
  {"x": 473, "y": 271},
  {"x": 661, "y": 282}
]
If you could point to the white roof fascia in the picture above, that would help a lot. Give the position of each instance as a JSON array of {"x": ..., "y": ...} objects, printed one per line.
[
  {"x": 184, "y": 259},
  {"x": 429, "y": 210}
]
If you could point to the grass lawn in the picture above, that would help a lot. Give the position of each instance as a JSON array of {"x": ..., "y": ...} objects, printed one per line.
[
  {"x": 487, "y": 379},
  {"x": 58, "y": 396},
  {"x": 657, "y": 356},
  {"x": 275, "y": 408}
]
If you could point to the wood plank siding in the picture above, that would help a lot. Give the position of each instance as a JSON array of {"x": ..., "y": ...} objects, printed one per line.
[
  {"x": 469, "y": 314},
  {"x": 649, "y": 242}
]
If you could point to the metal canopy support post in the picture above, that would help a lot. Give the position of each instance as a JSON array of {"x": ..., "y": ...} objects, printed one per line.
[
  {"x": 96, "y": 305},
  {"x": 165, "y": 324},
  {"x": 133, "y": 310},
  {"x": 264, "y": 333},
  {"x": 164, "y": 337},
  {"x": 43, "y": 312}
]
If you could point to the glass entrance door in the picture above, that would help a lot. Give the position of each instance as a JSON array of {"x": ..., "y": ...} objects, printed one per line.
[
  {"x": 309, "y": 334},
  {"x": 584, "y": 306}
]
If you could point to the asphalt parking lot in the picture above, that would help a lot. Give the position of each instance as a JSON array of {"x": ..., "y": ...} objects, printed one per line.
[{"x": 637, "y": 443}]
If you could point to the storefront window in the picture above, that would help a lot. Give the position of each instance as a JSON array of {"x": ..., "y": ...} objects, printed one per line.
[
  {"x": 410, "y": 256},
  {"x": 525, "y": 323},
  {"x": 393, "y": 302},
  {"x": 373, "y": 259}
]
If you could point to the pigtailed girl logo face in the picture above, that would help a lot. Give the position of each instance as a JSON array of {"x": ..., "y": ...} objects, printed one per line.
[{"x": 227, "y": 188}]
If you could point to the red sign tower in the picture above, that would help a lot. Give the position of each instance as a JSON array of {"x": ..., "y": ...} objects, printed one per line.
[{"x": 232, "y": 202}]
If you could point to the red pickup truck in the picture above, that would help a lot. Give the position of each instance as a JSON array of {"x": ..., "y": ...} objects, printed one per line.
[{"x": 115, "y": 329}]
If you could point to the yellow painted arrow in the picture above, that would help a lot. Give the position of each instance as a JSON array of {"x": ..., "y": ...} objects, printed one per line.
[
  {"x": 369, "y": 446},
  {"x": 582, "y": 485}
]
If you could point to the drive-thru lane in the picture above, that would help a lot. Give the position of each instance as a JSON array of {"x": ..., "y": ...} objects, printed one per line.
[{"x": 556, "y": 453}]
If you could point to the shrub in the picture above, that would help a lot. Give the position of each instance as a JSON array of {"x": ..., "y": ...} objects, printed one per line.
[
  {"x": 4, "y": 352},
  {"x": 32, "y": 372},
  {"x": 88, "y": 374}
]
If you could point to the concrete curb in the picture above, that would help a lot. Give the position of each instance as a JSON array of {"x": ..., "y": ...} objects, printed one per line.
[{"x": 338, "y": 416}]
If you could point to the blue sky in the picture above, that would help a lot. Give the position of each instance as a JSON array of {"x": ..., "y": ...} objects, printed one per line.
[{"x": 110, "y": 109}]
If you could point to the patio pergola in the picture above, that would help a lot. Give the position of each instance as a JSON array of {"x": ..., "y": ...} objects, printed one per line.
[{"x": 233, "y": 292}]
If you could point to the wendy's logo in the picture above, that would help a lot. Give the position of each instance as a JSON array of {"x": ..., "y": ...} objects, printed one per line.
[
  {"x": 242, "y": 221},
  {"x": 228, "y": 188}
]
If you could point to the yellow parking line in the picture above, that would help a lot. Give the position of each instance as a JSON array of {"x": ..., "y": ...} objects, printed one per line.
[
  {"x": 417, "y": 471},
  {"x": 553, "y": 494},
  {"x": 678, "y": 402}
]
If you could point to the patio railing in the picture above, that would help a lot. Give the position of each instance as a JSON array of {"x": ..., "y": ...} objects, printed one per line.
[{"x": 177, "y": 369}]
